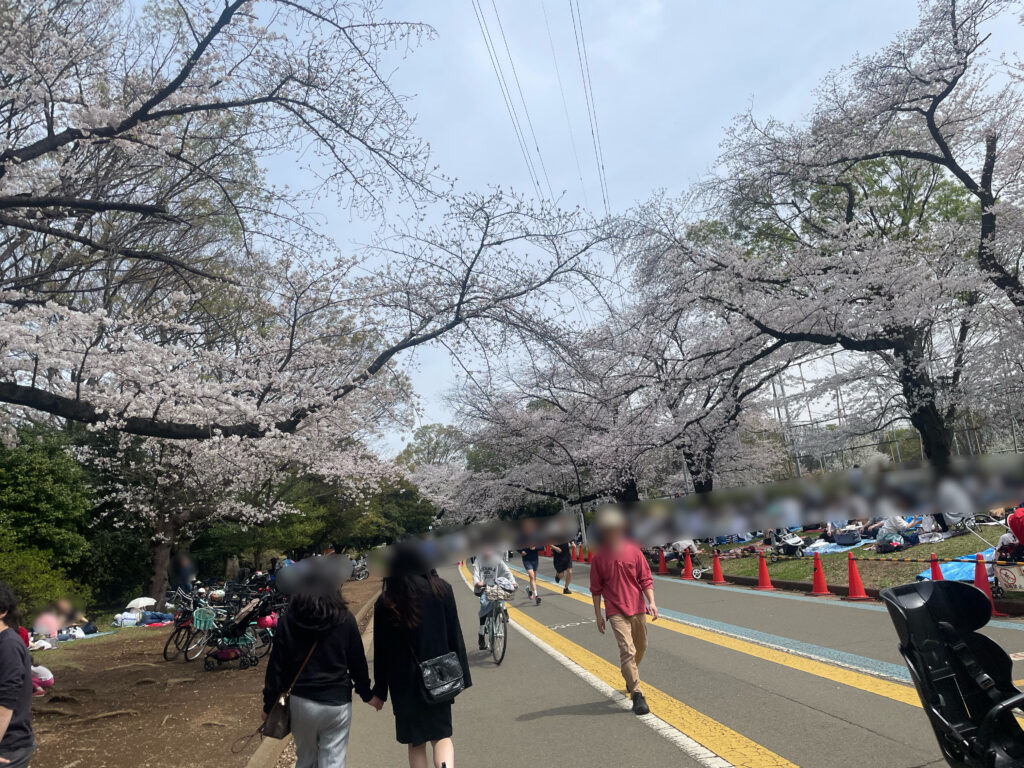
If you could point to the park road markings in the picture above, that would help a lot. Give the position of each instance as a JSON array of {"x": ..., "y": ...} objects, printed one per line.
[
  {"x": 707, "y": 741},
  {"x": 904, "y": 694}
]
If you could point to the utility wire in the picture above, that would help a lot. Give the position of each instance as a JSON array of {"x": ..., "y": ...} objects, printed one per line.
[
  {"x": 565, "y": 105},
  {"x": 507, "y": 95},
  {"x": 522, "y": 98},
  {"x": 584, "y": 62}
]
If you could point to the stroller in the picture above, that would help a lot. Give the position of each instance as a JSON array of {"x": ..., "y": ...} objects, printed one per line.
[
  {"x": 235, "y": 640},
  {"x": 964, "y": 679},
  {"x": 784, "y": 543}
]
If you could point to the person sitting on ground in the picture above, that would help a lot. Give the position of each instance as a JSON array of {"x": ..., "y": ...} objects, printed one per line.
[
  {"x": 42, "y": 680},
  {"x": 489, "y": 569},
  {"x": 47, "y": 624},
  {"x": 895, "y": 534}
]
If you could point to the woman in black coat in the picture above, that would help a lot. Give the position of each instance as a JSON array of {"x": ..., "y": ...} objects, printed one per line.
[{"x": 415, "y": 619}]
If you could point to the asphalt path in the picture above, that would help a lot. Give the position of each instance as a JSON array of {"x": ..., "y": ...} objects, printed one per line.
[{"x": 734, "y": 678}]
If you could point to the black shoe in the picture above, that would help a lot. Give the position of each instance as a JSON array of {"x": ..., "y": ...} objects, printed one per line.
[
  {"x": 640, "y": 704},
  {"x": 558, "y": 577},
  {"x": 566, "y": 591},
  {"x": 483, "y": 643},
  {"x": 538, "y": 599},
  {"x": 529, "y": 593}
]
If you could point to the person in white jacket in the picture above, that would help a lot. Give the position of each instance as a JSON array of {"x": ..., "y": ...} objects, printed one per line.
[{"x": 489, "y": 569}]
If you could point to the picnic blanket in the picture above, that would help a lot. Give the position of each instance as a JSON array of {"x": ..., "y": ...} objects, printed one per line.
[
  {"x": 959, "y": 571},
  {"x": 828, "y": 548}
]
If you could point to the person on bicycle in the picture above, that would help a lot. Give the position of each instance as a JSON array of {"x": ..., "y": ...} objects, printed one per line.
[{"x": 488, "y": 568}]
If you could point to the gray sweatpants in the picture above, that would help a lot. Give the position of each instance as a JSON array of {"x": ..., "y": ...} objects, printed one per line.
[{"x": 320, "y": 732}]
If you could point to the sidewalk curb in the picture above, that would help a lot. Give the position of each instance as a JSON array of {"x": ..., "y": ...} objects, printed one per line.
[{"x": 269, "y": 751}]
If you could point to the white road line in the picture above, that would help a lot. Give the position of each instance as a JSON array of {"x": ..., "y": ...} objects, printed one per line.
[{"x": 698, "y": 752}]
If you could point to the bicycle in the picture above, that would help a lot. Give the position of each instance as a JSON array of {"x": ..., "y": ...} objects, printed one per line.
[
  {"x": 496, "y": 623},
  {"x": 182, "y": 633}
]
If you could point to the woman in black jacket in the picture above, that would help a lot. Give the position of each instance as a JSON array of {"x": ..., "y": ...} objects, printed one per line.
[
  {"x": 321, "y": 701},
  {"x": 415, "y": 619}
]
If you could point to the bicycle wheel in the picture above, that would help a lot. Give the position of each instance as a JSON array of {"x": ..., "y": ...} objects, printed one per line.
[
  {"x": 184, "y": 635},
  {"x": 173, "y": 645},
  {"x": 264, "y": 642},
  {"x": 499, "y": 638},
  {"x": 196, "y": 645}
]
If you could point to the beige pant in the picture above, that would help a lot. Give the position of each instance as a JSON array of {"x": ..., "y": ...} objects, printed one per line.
[{"x": 631, "y": 635}]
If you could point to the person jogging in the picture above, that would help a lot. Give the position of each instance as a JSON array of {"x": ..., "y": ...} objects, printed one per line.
[
  {"x": 620, "y": 574},
  {"x": 561, "y": 559},
  {"x": 531, "y": 556}
]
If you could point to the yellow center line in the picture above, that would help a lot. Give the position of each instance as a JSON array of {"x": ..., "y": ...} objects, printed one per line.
[
  {"x": 888, "y": 689},
  {"x": 720, "y": 739}
]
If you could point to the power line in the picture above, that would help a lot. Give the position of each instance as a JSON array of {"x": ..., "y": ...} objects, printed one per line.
[
  {"x": 588, "y": 92},
  {"x": 507, "y": 95},
  {"x": 522, "y": 98},
  {"x": 565, "y": 105}
]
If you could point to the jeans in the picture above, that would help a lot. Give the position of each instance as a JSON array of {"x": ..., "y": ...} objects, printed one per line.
[
  {"x": 485, "y": 606},
  {"x": 631, "y": 635},
  {"x": 19, "y": 758},
  {"x": 320, "y": 732}
]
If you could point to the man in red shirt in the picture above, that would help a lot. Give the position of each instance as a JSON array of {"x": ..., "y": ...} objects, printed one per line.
[{"x": 620, "y": 574}]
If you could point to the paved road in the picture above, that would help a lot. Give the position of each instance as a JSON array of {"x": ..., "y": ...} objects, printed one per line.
[{"x": 734, "y": 678}]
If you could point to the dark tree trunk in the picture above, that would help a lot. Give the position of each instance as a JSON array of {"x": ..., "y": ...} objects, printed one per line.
[
  {"x": 628, "y": 494},
  {"x": 160, "y": 563},
  {"x": 700, "y": 469},
  {"x": 925, "y": 414},
  {"x": 160, "y": 560}
]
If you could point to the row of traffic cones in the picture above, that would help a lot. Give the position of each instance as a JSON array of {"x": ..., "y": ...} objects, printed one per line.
[{"x": 579, "y": 556}]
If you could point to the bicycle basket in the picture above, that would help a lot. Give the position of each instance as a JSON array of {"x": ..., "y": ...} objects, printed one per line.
[
  {"x": 496, "y": 594},
  {"x": 203, "y": 619}
]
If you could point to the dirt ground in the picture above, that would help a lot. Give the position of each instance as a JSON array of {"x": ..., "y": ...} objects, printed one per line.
[{"x": 117, "y": 704}]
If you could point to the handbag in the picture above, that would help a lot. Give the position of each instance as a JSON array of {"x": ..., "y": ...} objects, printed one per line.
[
  {"x": 442, "y": 678},
  {"x": 279, "y": 721}
]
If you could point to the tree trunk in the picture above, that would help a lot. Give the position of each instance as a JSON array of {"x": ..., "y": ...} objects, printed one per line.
[
  {"x": 700, "y": 469},
  {"x": 160, "y": 563},
  {"x": 925, "y": 415},
  {"x": 628, "y": 494}
]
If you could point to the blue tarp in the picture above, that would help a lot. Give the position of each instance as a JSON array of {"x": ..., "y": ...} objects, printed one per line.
[
  {"x": 831, "y": 549},
  {"x": 961, "y": 571}
]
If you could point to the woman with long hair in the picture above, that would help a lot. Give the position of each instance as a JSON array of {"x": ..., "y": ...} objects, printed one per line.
[
  {"x": 319, "y": 625},
  {"x": 415, "y": 619}
]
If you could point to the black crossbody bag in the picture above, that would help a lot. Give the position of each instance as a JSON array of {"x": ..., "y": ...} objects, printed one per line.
[
  {"x": 279, "y": 720},
  {"x": 440, "y": 677}
]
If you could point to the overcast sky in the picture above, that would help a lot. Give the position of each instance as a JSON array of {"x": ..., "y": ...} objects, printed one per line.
[{"x": 667, "y": 76}]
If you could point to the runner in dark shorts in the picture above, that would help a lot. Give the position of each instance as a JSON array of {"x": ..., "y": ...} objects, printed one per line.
[
  {"x": 561, "y": 559},
  {"x": 531, "y": 561}
]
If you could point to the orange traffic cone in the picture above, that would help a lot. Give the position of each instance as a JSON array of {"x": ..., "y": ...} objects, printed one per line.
[
  {"x": 662, "y": 566},
  {"x": 856, "y": 585},
  {"x": 818, "y": 586},
  {"x": 764, "y": 582},
  {"x": 716, "y": 571},
  {"x": 579, "y": 554},
  {"x": 936, "y": 570},
  {"x": 590, "y": 555},
  {"x": 547, "y": 550},
  {"x": 688, "y": 567},
  {"x": 981, "y": 581}
]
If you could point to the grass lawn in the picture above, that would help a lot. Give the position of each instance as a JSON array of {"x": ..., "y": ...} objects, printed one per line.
[{"x": 874, "y": 575}]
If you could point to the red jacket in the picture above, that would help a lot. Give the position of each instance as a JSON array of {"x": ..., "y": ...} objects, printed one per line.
[{"x": 621, "y": 578}]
